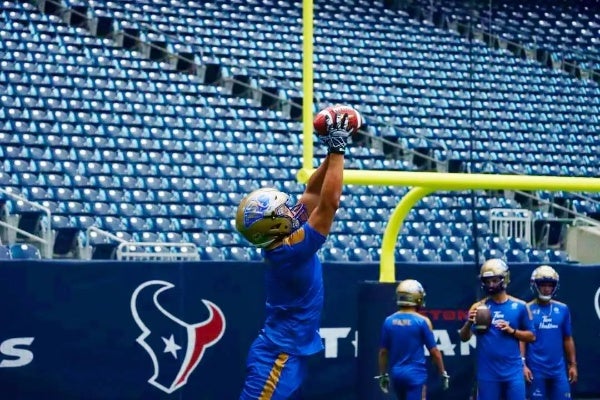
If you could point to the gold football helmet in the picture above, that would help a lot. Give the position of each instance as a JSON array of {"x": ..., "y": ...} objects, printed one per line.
[
  {"x": 263, "y": 217},
  {"x": 494, "y": 268},
  {"x": 410, "y": 293},
  {"x": 544, "y": 274}
]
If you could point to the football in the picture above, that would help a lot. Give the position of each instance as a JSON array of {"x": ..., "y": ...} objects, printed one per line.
[
  {"x": 331, "y": 112},
  {"x": 483, "y": 319}
]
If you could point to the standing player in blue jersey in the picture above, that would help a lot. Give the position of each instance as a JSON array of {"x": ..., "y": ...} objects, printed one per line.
[
  {"x": 499, "y": 363},
  {"x": 545, "y": 368},
  {"x": 401, "y": 352},
  {"x": 290, "y": 237}
]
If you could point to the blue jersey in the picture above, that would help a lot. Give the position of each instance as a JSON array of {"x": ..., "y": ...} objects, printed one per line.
[
  {"x": 498, "y": 354},
  {"x": 404, "y": 334},
  {"x": 294, "y": 286},
  {"x": 552, "y": 322}
]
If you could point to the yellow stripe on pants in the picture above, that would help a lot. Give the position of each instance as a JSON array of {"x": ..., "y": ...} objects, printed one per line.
[{"x": 274, "y": 376}]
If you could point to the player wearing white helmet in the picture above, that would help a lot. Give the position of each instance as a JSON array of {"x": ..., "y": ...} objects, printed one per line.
[{"x": 546, "y": 372}]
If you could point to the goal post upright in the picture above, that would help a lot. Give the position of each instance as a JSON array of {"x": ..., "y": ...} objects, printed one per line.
[
  {"x": 307, "y": 83},
  {"x": 425, "y": 183}
]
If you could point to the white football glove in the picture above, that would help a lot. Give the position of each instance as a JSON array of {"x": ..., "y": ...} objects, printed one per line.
[
  {"x": 445, "y": 381},
  {"x": 384, "y": 382}
]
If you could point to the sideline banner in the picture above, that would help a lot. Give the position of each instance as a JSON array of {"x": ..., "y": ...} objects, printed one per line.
[{"x": 109, "y": 330}]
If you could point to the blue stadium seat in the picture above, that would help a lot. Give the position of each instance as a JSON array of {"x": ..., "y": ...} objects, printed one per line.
[
  {"x": 411, "y": 242},
  {"x": 24, "y": 252},
  {"x": 427, "y": 255},
  {"x": 557, "y": 256},
  {"x": 459, "y": 229},
  {"x": 536, "y": 256},
  {"x": 171, "y": 237},
  {"x": 5, "y": 253},
  {"x": 516, "y": 256},
  {"x": 236, "y": 253},
  {"x": 65, "y": 240},
  {"x": 453, "y": 242},
  {"x": 468, "y": 255},
  {"x": 449, "y": 255},
  {"x": 359, "y": 254},
  {"x": 498, "y": 243},
  {"x": 212, "y": 253},
  {"x": 518, "y": 243},
  {"x": 332, "y": 254},
  {"x": 432, "y": 242},
  {"x": 492, "y": 253}
]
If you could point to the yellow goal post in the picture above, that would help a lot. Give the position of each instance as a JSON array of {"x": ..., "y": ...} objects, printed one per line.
[
  {"x": 422, "y": 183},
  {"x": 425, "y": 183}
]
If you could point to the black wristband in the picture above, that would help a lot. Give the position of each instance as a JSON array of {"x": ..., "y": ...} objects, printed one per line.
[
  {"x": 336, "y": 150},
  {"x": 514, "y": 333}
]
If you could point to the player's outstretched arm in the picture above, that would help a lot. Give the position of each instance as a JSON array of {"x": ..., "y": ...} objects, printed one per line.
[
  {"x": 338, "y": 131},
  {"x": 321, "y": 218},
  {"x": 312, "y": 193}
]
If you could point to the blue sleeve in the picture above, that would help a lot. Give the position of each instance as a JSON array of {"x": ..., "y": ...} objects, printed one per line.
[
  {"x": 526, "y": 321},
  {"x": 305, "y": 241},
  {"x": 566, "y": 326},
  {"x": 301, "y": 244},
  {"x": 428, "y": 337}
]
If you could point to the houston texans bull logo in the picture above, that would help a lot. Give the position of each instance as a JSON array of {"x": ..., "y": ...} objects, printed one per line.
[{"x": 174, "y": 346}]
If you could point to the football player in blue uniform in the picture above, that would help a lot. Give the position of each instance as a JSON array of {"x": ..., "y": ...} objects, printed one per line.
[
  {"x": 498, "y": 354},
  {"x": 401, "y": 351},
  {"x": 545, "y": 371},
  {"x": 290, "y": 237}
]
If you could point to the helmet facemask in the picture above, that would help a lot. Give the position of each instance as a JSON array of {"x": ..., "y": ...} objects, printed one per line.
[
  {"x": 493, "y": 284},
  {"x": 544, "y": 282},
  {"x": 494, "y": 276}
]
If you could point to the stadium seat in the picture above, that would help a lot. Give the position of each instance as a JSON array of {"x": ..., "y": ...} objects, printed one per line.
[
  {"x": 516, "y": 256},
  {"x": 237, "y": 253},
  {"x": 454, "y": 243},
  {"x": 5, "y": 253},
  {"x": 557, "y": 256},
  {"x": 211, "y": 253},
  {"x": 449, "y": 255},
  {"x": 468, "y": 255},
  {"x": 66, "y": 234},
  {"x": 333, "y": 254},
  {"x": 432, "y": 242},
  {"x": 536, "y": 256},
  {"x": 427, "y": 255},
  {"x": 359, "y": 254},
  {"x": 405, "y": 255},
  {"x": 411, "y": 242},
  {"x": 24, "y": 252}
]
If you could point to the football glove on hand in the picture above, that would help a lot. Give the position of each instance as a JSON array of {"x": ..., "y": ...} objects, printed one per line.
[
  {"x": 445, "y": 381},
  {"x": 338, "y": 132},
  {"x": 384, "y": 382}
]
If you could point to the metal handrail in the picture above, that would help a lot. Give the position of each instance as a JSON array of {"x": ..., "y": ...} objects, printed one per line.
[
  {"x": 129, "y": 251},
  {"x": 46, "y": 240}
]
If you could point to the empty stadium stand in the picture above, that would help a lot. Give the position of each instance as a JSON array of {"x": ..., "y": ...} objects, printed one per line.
[{"x": 133, "y": 124}]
